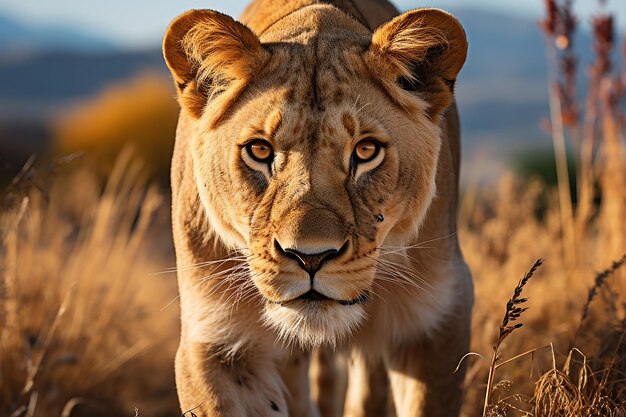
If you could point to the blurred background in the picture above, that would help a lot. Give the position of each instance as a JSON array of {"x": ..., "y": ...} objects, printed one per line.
[
  {"x": 76, "y": 77},
  {"x": 88, "y": 297}
]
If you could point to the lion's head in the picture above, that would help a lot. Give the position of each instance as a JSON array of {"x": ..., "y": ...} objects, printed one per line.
[{"x": 312, "y": 145}]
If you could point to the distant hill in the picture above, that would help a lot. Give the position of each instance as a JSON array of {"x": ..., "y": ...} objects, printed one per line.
[
  {"x": 502, "y": 91},
  {"x": 16, "y": 36},
  {"x": 34, "y": 86}
]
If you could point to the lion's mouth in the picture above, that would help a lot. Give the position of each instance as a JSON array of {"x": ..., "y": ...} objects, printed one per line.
[{"x": 314, "y": 296}]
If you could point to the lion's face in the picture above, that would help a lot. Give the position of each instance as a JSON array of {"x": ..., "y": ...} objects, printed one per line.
[{"x": 309, "y": 154}]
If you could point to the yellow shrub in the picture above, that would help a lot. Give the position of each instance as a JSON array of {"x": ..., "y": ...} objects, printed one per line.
[{"x": 140, "y": 113}]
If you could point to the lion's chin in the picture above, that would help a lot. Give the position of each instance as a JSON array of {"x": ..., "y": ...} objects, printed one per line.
[{"x": 314, "y": 323}]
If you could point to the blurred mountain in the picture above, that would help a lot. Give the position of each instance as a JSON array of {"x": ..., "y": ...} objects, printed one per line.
[
  {"x": 503, "y": 88},
  {"x": 18, "y": 37},
  {"x": 36, "y": 86},
  {"x": 502, "y": 91}
]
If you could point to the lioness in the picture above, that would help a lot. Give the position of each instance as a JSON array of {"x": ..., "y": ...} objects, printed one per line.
[{"x": 314, "y": 187}]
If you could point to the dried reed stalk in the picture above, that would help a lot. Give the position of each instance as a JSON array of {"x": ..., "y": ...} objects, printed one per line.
[
  {"x": 559, "y": 29},
  {"x": 602, "y": 44},
  {"x": 613, "y": 176},
  {"x": 514, "y": 310},
  {"x": 599, "y": 281}
]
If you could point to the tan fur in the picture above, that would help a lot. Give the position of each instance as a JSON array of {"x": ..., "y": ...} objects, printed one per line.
[{"x": 314, "y": 78}]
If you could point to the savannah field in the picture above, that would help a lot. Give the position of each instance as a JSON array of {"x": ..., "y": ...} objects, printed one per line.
[{"x": 88, "y": 298}]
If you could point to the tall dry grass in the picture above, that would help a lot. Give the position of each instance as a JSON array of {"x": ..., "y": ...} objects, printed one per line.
[
  {"x": 80, "y": 328},
  {"x": 570, "y": 358}
]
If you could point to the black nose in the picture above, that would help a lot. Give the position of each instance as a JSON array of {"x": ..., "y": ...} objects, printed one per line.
[{"x": 311, "y": 263}]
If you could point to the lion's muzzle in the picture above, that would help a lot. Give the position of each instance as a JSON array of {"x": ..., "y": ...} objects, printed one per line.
[{"x": 310, "y": 262}]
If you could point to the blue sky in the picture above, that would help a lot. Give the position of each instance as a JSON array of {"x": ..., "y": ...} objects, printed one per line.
[{"x": 140, "y": 23}]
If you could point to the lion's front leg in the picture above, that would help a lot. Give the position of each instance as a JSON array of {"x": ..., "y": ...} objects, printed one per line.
[
  {"x": 212, "y": 385},
  {"x": 367, "y": 388},
  {"x": 295, "y": 374},
  {"x": 328, "y": 382},
  {"x": 421, "y": 372}
]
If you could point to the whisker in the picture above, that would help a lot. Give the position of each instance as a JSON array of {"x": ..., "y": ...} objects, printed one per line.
[
  {"x": 198, "y": 265},
  {"x": 382, "y": 288},
  {"x": 415, "y": 246},
  {"x": 402, "y": 269},
  {"x": 394, "y": 276},
  {"x": 170, "y": 303},
  {"x": 403, "y": 284},
  {"x": 413, "y": 284},
  {"x": 235, "y": 268},
  {"x": 401, "y": 275}
]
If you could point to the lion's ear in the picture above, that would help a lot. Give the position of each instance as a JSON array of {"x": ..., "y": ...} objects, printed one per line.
[
  {"x": 209, "y": 53},
  {"x": 421, "y": 51}
]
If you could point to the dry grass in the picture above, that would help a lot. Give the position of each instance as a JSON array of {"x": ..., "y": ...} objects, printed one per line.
[
  {"x": 79, "y": 318},
  {"x": 582, "y": 387},
  {"x": 569, "y": 303}
]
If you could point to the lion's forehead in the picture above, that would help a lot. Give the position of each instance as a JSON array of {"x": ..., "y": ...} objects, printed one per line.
[
  {"x": 319, "y": 74},
  {"x": 313, "y": 86}
]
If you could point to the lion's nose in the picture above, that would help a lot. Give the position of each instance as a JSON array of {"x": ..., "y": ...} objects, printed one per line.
[{"x": 310, "y": 262}]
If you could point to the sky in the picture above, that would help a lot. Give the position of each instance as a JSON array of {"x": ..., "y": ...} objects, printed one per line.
[{"x": 141, "y": 23}]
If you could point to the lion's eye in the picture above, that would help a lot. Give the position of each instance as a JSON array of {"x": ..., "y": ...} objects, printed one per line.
[
  {"x": 366, "y": 150},
  {"x": 260, "y": 150}
]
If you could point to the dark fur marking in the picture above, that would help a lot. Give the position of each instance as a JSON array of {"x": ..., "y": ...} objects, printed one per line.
[
  {"x": 365, "y": 255},
  {"x": 315, "y": 99},
  {"x": 274, "y": 406},
  {"x": 449, "y": 83},
  {"x": 239, "y": 380},
  {"x": 354, "y": 271},
  {"x": 349, "y": 124}
]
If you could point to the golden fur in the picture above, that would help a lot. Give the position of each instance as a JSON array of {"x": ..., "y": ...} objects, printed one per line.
[{"x": 313, "y": 78}]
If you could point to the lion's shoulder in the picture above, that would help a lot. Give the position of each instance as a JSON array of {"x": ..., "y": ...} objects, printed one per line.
[{"x": 261, "y": 14}]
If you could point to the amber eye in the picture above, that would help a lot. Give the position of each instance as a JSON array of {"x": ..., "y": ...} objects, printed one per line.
[
  {"x": 260, "y": 150},
  {"x": 366, "y": 150}
]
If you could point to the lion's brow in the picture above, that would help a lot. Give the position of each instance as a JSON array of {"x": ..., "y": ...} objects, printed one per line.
[{"x": 273, "y": 123}]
